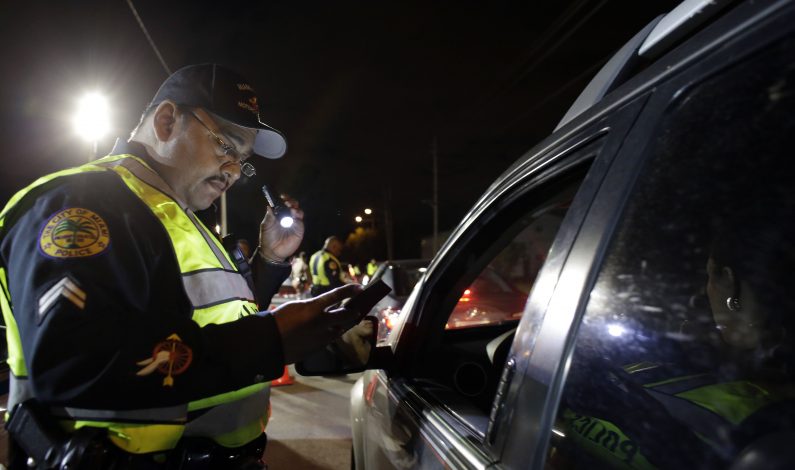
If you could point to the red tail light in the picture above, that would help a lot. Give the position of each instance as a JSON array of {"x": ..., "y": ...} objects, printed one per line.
[
  {"x": 388, "y": 315},
  {"x": 467, "y": 296}
]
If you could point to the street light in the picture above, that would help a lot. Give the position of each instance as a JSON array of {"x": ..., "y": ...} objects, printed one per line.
[
  {"x": 368, "y": 211},
  {"x": 358, "y": 219},
  {"x": 91, "y": 121}
]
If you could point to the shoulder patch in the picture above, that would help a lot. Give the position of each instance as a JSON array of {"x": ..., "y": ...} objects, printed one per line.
[
  {"x": 332, "y": 265},
  {"x": 74, "y": 232}
]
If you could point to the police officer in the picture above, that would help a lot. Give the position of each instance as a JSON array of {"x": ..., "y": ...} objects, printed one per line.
[
  {"x": 124, "y": 314},
  {"x": 326, "y": 268},
  {"x": 372, "y": 267}
]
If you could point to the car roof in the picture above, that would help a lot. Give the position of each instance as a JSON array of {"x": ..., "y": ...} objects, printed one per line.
[{"x": 651, "y": 42}]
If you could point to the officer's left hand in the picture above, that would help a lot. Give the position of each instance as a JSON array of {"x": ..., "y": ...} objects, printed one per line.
[
  {"x": 276, "y": 242},
  {"x": 357, "y": 342},
  {"x": 308, "y": 325}
]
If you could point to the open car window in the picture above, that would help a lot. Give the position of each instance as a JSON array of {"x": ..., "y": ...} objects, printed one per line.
[
  {"x": 476, "y": 305},
  {"x": 499, "y": 292}
]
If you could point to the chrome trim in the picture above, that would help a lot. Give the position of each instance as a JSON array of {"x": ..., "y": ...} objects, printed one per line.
[
  {"x": 605, "y": 80},
  {"x": 680, "y": 21}
]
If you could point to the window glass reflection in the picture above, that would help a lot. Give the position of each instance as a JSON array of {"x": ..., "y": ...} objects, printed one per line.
[{"x": 684, "y": 358}]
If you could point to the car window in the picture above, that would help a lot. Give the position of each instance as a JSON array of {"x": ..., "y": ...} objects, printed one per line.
[
  {"x": 478, "y": 302},
  {"x": 499, "y": 292},
  {"x": 684, "y": 357}
]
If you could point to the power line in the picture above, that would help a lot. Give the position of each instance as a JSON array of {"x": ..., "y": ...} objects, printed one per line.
[{"x": 148, "y": 37}]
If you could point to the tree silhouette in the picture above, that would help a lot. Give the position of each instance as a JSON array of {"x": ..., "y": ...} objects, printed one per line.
[{"x": 76, "y": 227}]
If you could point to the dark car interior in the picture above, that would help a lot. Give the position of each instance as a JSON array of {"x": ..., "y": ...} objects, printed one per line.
[{"x": 493, "y": 278}]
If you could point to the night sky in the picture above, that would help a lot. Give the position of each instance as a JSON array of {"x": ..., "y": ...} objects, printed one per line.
[{"x": 360, "y": 89}]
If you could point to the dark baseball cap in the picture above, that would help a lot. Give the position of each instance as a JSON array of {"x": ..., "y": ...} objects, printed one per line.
[{"x": 226, "y": 94}]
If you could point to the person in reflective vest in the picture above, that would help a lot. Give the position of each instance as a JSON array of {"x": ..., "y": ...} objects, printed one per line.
[
  {"x": 326, "y": 269},
  {"x": 123, "y": 311},
  {"x": 372, "y": 267}
]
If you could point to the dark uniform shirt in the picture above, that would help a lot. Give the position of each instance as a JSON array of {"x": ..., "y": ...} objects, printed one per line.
[{"x": 85, "y": 343}]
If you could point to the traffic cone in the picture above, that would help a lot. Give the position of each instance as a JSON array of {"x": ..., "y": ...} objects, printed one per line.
[{"x": 285, "y": 379}]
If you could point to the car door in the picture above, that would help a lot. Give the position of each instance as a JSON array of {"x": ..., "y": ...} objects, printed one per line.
[
  {"x": 667, "y": 341},
  {"x": 437, "y": 405}
]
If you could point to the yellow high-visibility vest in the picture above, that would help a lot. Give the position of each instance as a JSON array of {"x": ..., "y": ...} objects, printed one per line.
[
  {"x": 317, "y": 266},
  {"x": 232, "y": 419}
]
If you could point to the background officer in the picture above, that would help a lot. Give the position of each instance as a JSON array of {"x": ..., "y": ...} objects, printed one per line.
[{"x": 326, "y": 268}]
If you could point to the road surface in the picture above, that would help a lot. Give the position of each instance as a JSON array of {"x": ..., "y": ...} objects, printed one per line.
[{"x": 310, "y": 424}]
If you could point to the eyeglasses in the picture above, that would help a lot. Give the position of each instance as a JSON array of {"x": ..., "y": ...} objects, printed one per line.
[{"x": 245, "y": 167}]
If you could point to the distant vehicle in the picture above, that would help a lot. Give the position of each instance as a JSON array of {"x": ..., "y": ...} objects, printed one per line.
[
  {"x": 286, "y": 293},
  {"x": 489, "y": 300},
  {"x": 401, "y": 276},
  {"x": 651, "y": 236}
]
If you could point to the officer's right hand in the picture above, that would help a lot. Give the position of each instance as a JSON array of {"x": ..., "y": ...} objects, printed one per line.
[
  {"x": 277, "y": 243},
  {"x": 308, "y": 325}
]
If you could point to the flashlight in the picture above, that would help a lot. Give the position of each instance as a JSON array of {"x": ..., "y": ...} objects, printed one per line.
[{"x": 282, "y": 213}]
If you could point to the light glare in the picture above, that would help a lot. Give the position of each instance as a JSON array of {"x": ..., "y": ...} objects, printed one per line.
[
  {"x": 358, "y": 218},
  {"x": 368, "y": 211},
  {"x": 615, "y": 329},
  {"x": 286, "y": 222},
  {"x": 91, "y": 120}
]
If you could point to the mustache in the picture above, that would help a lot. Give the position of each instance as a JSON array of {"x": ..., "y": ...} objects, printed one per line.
[{"x": 221, "y": 179}]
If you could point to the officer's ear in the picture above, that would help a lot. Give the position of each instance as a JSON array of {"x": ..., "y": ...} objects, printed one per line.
[{"x": 164, "y": 119}]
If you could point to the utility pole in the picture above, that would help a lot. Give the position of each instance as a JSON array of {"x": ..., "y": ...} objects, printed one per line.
[
  {"x": 224, "y": 227},
  {"x": 390, "y": 246},
  {"x": 92, "y": 153},
  {"x": 435, "y": 202}
]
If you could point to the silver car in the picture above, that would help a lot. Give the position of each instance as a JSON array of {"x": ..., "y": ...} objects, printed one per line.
[{"x": 651, "y": 240}]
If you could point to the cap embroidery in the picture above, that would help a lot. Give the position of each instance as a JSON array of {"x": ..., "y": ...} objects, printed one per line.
[
  {"x": 245, "y": 87},
  {"x": 251, "y": 105},
  {"x": 74, "y": 232},
  {"x": 170, "y": 357}
]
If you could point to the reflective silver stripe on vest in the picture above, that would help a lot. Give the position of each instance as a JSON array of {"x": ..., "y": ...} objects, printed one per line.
[
  {"x": 19, "y": 390},
  {"x": 171, "y": 415},
  {"x": 205, "y": 288},
  {"x": 230, "y": 416},
  {"x": 213, "y": 246}
]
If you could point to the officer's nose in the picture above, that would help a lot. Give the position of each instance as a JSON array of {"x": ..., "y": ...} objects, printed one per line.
[{"x": 232, "y": 171}]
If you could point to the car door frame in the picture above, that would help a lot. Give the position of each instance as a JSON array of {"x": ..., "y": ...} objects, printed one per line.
[
  {"x": 454, "y": 442},
  {"x": 534, "y": 399}
]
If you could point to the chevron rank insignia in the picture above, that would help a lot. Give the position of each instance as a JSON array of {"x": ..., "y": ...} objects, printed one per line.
[{"x": 65, "y": 289}]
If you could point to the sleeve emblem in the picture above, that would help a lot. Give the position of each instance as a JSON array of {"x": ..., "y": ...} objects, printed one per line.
[
  {"x": 332, "y": 266},
  {"x": 170, "y": 357},
  {"x": 74, "y": 233}
]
